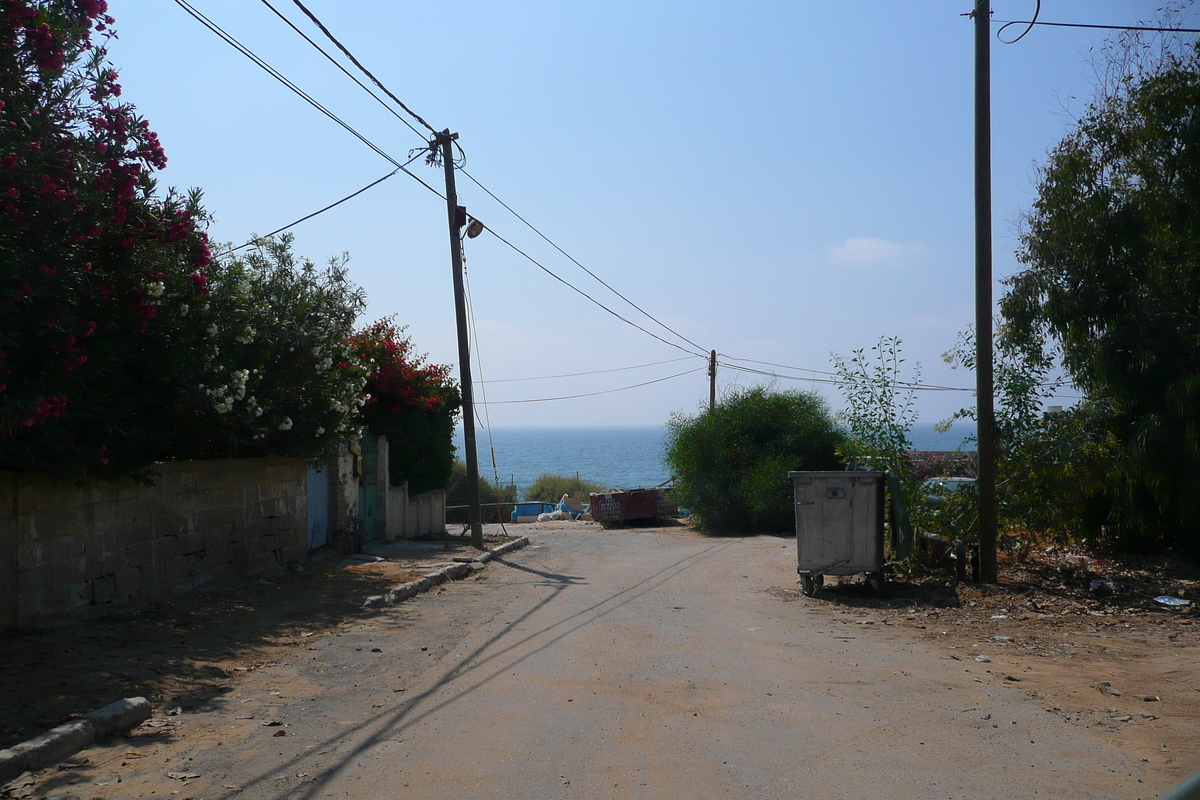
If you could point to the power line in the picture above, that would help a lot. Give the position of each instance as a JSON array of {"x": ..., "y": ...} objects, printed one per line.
[
  {"x": 604, "y": 283},
  {"x": 365, "y": 71},
  {"x": 310, "y": 216},
  {"x": 593, "y": 394},
  {"x": 582, "y": 293},
  {"x": 921, "y": 387},
  {"x": 390, "y": 94},
  {"x": 772, "y": 364},
  {"x": 594, "y": 372},
  {"x": 347, "y": 72},
  {"x": 1033, "y": 22},
  {"x": 277, "y": 75},
  {"x": 470, "y": 303},
  {"x": 229, "y": 39},
  {"x": 274, "y": 73}
]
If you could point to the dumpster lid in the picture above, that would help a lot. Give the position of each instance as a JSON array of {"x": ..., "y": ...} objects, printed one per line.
[{"x": 842, "y": 474}]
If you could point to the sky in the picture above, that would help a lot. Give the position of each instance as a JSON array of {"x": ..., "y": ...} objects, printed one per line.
[{"x": 778, "y": 181}]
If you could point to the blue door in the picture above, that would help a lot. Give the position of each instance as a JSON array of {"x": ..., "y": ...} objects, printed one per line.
[{"x": 318, "y": 505}]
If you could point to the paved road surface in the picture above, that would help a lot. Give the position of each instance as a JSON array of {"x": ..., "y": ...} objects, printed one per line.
[{"x": 638, "y": 664}]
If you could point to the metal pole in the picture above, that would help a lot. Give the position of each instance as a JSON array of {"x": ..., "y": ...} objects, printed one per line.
[
  {"x": 712, "y": 380},
  {"x": 446, "y": 140},
  {"x": 988, "y": 568}
]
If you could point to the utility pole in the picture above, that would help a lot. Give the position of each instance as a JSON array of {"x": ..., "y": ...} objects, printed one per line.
[
  {"x": 986, "y": 435},
  {"x": 712, "y": 380},
  {"x": 458, "y": 218}
]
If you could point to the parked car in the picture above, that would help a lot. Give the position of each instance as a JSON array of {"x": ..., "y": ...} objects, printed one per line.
[{"x": 938, "y": 489}]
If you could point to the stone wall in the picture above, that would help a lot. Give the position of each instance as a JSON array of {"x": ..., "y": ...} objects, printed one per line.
[{"x": 68, "y": 549}]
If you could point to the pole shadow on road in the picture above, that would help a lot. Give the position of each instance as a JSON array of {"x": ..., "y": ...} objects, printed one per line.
[
  {"x": 394, "y": 722},
  {"x": 569, "y": 580}
]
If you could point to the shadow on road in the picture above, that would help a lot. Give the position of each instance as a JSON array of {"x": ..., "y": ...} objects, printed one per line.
[{"x": 462, "y": 681}]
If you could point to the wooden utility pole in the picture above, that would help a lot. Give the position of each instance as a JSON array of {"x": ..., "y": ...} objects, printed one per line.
[
  {"x": 988, "y": 567},
  {"x": 458, "y": 218},
  {"x": 712, "y": 380}
]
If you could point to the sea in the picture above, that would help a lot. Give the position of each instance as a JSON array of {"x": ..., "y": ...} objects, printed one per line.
[{"x": 629, "y": 457}]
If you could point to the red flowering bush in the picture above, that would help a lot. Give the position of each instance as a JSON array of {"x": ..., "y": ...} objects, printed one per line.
[
  {"x": 87, "y": 251},
  {"x": 414, "y": 404}
]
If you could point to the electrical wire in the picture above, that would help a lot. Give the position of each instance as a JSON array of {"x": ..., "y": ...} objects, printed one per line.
[
  {"x": 1031, "y": 23},
  {"x": 470, "y": 308},
  {"x": 833, "y": 374},
  {"x": 602, "y": 282},
  {"x": 934, "y": 387},
  {"x": 594, "y": 394},
  {"x": 233, "y": 42},
  {"x": 277, "y": 75},
  {"x": 458, "y": 164},
  {"x": 364, "y": 70},
  {"x": 584, "y": 294},
  {"x": 921, "y": 387},
  {"x": 274, "y": 73},
  {"x": 594, "y": 372},
  {"x": 310, "y": 216},
  {"x": 1037, "y": 12},
  {"x": 347, "y": 72},
  {"x": 772, "y": 364}
]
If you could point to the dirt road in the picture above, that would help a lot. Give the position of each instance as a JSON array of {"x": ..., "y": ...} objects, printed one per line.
[{"x": 645, "y": 663}]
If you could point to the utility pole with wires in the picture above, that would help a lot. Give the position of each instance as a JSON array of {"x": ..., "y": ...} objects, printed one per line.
[
  {"x": 457, "y": 216},
  {"x": 712, "y": 380}
]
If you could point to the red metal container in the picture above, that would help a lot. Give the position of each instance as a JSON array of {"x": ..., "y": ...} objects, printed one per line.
[{"x": 613, "y": 509}]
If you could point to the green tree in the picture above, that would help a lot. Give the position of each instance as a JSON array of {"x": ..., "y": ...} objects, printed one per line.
[
  {"x": 1110, "y": 256},
  {"x": 880, "y": 407},
  {"x": 731, "y": 462}
]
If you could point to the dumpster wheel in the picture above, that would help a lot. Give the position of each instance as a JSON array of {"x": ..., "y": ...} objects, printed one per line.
[
  {"x": 808, "y": 584},
  {"x": 876, "y": 586}
]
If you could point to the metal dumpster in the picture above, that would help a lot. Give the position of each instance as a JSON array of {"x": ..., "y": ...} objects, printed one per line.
[
  {"x": 646, "y": 506},
  {"x": 839, "y": 526}
]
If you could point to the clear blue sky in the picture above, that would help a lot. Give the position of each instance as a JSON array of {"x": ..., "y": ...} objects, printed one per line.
[{"x": 773, "y": 180}]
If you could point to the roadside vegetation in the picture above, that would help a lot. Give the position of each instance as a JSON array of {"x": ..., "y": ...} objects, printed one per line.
[
  {"x": 127, "y": 338},
  {"x": 1106, "y": 303},
  {"x": 731, "y": 462},
  {"x": 496, "y": 502},
  {"x": 550, "y": 488}
]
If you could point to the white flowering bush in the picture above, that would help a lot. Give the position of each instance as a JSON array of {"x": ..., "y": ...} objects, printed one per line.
[{"x": 268, "y": 368}]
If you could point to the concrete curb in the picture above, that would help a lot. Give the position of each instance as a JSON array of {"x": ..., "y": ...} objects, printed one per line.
[
  {"x": 451, "y": 572},
  {"x": 69, "y": 738}
]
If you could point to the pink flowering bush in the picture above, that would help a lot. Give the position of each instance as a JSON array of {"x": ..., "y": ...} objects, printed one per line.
[
  {"x": 122, "y": 342},
  {"x": 87, "y": 250}
]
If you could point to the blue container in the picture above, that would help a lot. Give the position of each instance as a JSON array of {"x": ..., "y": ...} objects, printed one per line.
[{"x": 530, "y": 509}]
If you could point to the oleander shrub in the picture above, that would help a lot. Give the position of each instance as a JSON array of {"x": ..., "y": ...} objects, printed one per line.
[
  {"x": 263, "y": 361},
  {"x": 413, "y": 403},
  {"x": 88, "y": 250}
]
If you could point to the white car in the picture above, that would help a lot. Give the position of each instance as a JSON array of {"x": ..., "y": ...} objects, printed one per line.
[{"x": 937, "y": 489}]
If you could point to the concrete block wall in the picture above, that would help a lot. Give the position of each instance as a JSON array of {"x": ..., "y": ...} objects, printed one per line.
[
  {"x": 426, "y": 514},
  {"x": 345, "y": 527},
  {"x": 411, "y": 516},
  {"x": 68, "y": 549}
]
